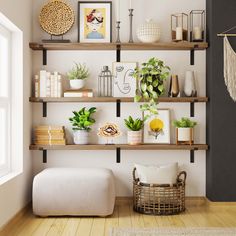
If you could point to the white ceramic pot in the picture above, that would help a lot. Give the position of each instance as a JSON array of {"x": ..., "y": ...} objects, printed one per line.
[
  {"x": 190, "y": 85},
  {"x": 134, "y": 137},
  {"x": 149, "y": 32},
  {"x": 185, "y": 134},
  {"x": 81, "y": 137},
  {"x": 77, "y": 83}
]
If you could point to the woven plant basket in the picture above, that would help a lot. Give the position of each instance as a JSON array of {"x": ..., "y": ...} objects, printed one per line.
[{"x": 154, "y": 199}]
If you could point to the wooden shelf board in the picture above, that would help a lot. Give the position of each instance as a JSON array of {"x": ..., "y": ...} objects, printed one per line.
[
  {"x": 123, "y": 46},
  {"x": 121, "y": 146},
  {"x": 114, "y": 99}
]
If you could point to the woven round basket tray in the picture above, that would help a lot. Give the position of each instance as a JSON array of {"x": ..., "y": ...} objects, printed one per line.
[{"x": 56, "y": 17}]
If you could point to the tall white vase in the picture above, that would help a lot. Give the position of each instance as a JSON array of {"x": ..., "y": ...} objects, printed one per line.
[{"x": 190, "y": 84}]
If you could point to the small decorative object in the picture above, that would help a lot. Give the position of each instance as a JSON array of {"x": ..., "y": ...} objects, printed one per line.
[
  {"x": 184, "y": 130},
  {"x": 95, "y": 22},
  {"x": 174, "y": 86},
  {"x": 135, "y": 130},
  {"x": 109, "y": 131},
  {"x": 81, "y": 122},
  {"x": 124, "y": 82},
  {"x": 149, "y": 32},
  {"x": 56, "y": 18},
  {"x": 131, "y": 10},
  {"x": 179, "y": 27},
  {"x": 190, "y": 85},
  {"x": 118, "y": 23},
  {"x": 197, "y": 26},
  {"x": 157, "y": 127},
  {"x": 77, "y": 76},
  {"x": 105, "y": 83},
  {"x": 151, "y": 75}
]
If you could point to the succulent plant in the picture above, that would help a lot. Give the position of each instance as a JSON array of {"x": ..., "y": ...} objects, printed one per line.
[{"x": 79, "y": 71}]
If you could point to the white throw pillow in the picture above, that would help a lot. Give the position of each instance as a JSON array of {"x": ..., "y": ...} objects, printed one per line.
[{"x": 165, "y": 174}]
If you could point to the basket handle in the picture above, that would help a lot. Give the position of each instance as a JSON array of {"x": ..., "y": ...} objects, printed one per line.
[
  {"x": 134, "y": 177},
  {"x": 179, "y": 179}
]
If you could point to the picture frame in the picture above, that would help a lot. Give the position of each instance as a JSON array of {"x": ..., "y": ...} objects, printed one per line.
[
  {"x": 95, "y": 21},
  {"x": 157, "y": 128},
  {"x": 125, "y": 84}
]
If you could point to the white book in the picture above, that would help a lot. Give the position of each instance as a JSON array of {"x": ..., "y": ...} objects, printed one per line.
[
  {"x": 55, "y": 83},
  {"x": 59, "y": 86},
  {"x": 78, "y": 95},
  {"x": 52, "y": 85},
  {"x": 43, "y": 83},
  {"x": 36, "y": 86},
  {"x": 48, "y": 85}
]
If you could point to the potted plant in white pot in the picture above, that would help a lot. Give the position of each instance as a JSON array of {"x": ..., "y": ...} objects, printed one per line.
[
  {"x": 135, "y": 127},
  {"x": 82, "y": 122},
  {"x": 184, "y": 130},
  {"x": 77, "y": 76}
]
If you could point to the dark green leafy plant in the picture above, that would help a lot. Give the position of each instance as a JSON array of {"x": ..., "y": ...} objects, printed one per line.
[
  {"x": 134, "y": 125},
  {"x": 79, "y": 71},
  {"x": 184, "y": 123},
  {"x": 82, "y": 119},
  {"x": 151, "y": 77}
]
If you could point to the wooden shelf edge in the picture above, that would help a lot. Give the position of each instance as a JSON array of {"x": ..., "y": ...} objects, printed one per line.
[
  {"x": 114, "y": 99},
  {"x": 121, "y": 146}
]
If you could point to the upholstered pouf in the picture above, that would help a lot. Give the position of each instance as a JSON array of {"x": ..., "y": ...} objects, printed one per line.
[{"x": 74, "y": 191}]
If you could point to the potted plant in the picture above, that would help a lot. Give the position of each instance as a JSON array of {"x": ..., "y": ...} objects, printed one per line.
[
  {"x": 81, "y": 122},
  {"x": 135, "y": 130},
  {"x": 77, "y": 76},
  {"x": 151, "y": 77},
  {"x": 184, "y": 130}
]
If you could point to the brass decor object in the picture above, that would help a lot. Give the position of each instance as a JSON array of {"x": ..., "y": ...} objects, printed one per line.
[
  {"x": 56, "y": 17},
  {"x": 159, "y": 199}
]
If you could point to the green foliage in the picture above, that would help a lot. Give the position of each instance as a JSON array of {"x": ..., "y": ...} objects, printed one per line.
[
  {"x": 134, "y": 125},
  {"x": 78, "y": 72},
  {"x": 184, "y": 123},
  {"x": 150, "y": 108},
  {"x": 82, "y": 119},
  {"x": 151, "y": 77}
]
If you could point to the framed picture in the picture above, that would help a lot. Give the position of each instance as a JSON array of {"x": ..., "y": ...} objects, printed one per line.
[
  {"x": 157, "y": 128},
  {"x": 95, "y": 22},
  {"x": 124, "y": 82}
]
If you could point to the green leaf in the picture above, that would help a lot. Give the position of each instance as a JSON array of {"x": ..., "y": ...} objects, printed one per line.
[
  {"x": 143, "y": 87},
  {"x": 150, "y": 88},
  {"x": 161, "y": 87}
]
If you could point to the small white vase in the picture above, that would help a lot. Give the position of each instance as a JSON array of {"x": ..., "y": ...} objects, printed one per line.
[
  {"x": 77, "y": 83},
  {"x": 134, "y": 137},
  {"x": 190, "y": 85},
  {"x": 185, "y": 135},
  {"x": 81, "y": 137}
]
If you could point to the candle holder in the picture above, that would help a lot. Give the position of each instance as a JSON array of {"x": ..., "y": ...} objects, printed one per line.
[
  {"x": 179, "y": 27},
  {"x": 197, "y": 26},
  {"x": 118, "y": 31},
  {"x": 131, "y": 25}
]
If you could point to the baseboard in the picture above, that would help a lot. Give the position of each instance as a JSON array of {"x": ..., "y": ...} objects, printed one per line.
[
  {"x": 219, "y": 204},
  {"x": 17, "y": 216}
]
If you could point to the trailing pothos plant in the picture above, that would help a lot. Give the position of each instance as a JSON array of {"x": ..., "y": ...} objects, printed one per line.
[
  {"x": 151, "y": 77},
  {"x": 82, "y": 119}
]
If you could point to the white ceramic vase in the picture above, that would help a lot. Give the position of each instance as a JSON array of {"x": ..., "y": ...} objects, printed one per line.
[
  {"x": 134, "y": 137},
  {"x": 77, "y": 83},
  {"x": 185, "y": 134},
  {"x": 81, "y": 137},
  {"x": 190, "y": 84}
]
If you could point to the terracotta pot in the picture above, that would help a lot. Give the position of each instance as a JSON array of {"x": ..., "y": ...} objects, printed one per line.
[{"x": 134, "y": 137}]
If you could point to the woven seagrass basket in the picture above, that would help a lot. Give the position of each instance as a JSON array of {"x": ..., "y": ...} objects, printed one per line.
[{"x": 154, "y": 199}]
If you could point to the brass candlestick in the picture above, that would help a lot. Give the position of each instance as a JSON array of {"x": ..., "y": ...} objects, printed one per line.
[{"x": 131, "y": 25}]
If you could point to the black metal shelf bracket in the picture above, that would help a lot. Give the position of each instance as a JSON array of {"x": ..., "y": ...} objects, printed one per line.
[
  {"x": 44, "y": 57},
  {"x": 44, "y": 109},
  {"x": 192, "y": 57},
  {"x": 118, "y": 53},
  {"x": 118, "y": 104},
  {"x": 192, "y": 156},
  {"x": 118, "y": 155},
  {"x": 192, "y": 109},
  {"x": 45, "y": 156}
]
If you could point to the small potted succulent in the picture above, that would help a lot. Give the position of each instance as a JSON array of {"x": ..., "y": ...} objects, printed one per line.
[
  {"x": 135, "y": 127},
  {"x": 82, "y": 122},
  {"x": 151, "y": 77},
  {"x": 77, "y": 76},
  {"x": 184, "y": 130}
]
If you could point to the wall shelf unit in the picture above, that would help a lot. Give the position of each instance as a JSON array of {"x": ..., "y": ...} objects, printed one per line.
[{"x": 119, "y": 147}]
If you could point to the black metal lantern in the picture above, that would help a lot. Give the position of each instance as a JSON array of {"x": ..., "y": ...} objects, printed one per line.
[
  {"x": 105, "y": 83},
  {"x": 197, "y": 26},
  {"x": 179, "y": 27}
]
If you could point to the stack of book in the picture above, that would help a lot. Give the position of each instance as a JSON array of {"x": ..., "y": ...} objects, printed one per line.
[
  {"x": 49, "y": 135},
  {"x": 81, "y": 93},
  {"x": 47, "y": 84}
]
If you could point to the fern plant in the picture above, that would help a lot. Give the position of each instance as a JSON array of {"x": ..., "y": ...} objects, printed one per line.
[
  {"x": 79, "y": 71},
  {"x": 82, "y": 119},
  {"x": 184, "y": 123},
  {"x": 134, "y": 124}
]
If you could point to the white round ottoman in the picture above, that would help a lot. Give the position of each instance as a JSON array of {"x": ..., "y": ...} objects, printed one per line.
[{"x": 74, "y": 191}]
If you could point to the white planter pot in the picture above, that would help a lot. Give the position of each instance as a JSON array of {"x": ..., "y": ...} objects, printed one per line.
[
  {"x": 185, "y": 134},
  {"x": 81, "y": 137},
  {"x": 134, "y": 137},
  {"x": 77, "y": 83}
]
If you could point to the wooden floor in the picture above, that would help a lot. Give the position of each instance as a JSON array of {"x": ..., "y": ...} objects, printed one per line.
[{"x": 196, "y": 215}]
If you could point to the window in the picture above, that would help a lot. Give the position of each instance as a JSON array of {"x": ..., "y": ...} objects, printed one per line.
[{"x": 5, "y": 99}]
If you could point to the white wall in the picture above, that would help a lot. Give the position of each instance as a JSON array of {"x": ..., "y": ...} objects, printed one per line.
[
  {"x": 160, "y": 11},
  {"x": 16, "y": 193}
]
